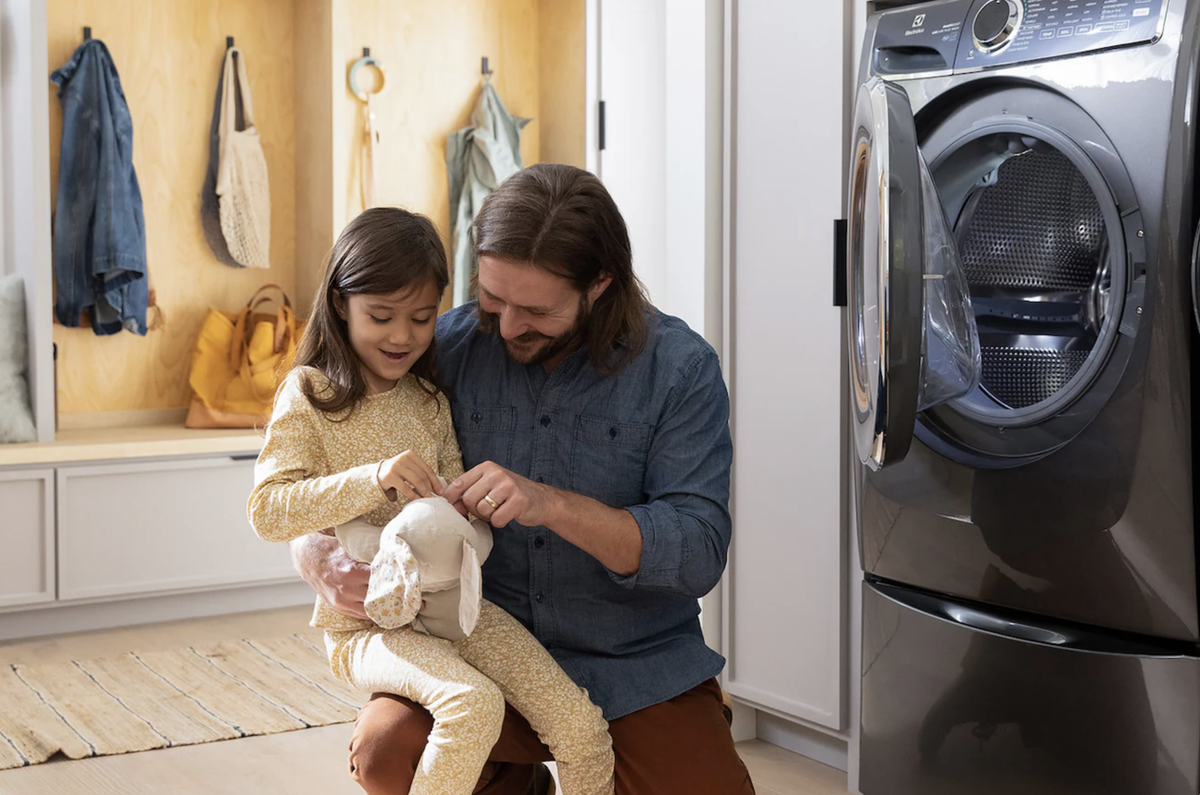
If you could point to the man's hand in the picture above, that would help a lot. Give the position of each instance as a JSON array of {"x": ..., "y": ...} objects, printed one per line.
[
  {"x": 335, "y": 576},
  {"x": 610, "y": 535},
  {"x": 493, "y": 493}
]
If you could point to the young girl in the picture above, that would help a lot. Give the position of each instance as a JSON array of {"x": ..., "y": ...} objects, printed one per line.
[{"x": 360, "y": 428}]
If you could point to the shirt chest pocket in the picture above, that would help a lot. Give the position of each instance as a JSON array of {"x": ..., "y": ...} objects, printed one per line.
[
  {"x": 485, "y": 433},
  {"x": 608, "y": 460}
]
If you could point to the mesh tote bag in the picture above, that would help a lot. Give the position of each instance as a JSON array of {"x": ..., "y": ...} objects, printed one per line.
[{"x": 243, "y": 190}]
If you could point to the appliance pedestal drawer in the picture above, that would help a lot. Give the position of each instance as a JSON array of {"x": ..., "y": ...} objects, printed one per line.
[{"x": 949, "y": 709}]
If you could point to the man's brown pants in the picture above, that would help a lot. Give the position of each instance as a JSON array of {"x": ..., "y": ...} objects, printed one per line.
[{"x": 680, "y": 746}]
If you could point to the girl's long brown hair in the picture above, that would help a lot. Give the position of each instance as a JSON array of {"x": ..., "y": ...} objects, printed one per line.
[{"x": 384, "y": 250}]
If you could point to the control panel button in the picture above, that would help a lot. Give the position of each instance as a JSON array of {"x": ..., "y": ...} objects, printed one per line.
[{"x": 995, "y": 23}]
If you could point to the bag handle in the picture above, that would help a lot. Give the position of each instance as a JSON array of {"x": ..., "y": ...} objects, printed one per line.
[
  {"x": 243, "y": 84},
  {"x": 227, "y": 125},
  {"x": 285, "y": 325},
  {"x": 236, "y": 82},
  {"x": 259, "y": 299},
  {"x": 241, "y": 344}
]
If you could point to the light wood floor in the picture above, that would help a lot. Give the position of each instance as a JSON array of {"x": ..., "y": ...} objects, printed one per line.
[{"x": 310, "y": 761}]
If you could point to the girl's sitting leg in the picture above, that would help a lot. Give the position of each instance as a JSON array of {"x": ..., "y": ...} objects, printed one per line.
[
  {"x": 559, "y": 711},
  {"x": 467, "y": 707}
]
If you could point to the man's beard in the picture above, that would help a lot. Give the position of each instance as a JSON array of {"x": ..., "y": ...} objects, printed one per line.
[{"x": 529, "y": 352}]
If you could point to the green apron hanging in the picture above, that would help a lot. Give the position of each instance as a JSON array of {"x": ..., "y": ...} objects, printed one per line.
[{"x": 478, "y": 159}]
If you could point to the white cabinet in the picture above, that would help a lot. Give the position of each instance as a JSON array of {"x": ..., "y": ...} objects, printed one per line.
[
  {"x": 785, "y": 589},
  {"x": 159, "y": 526},
  {"x": 633, "y": 86},
  {"x": 660, "y": 76},
  {"x": 27, "y": 537}
]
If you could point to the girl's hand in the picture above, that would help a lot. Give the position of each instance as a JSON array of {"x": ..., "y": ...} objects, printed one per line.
[{"x": 408, "y": 474}]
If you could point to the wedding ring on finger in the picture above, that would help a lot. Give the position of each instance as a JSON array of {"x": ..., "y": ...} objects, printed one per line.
[{"x": 488, "y": 499}]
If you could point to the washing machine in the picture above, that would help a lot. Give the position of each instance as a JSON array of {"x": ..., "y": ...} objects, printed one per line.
[{"x": 1020, "y": 283}]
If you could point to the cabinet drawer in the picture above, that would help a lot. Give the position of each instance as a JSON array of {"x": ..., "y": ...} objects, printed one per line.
[
  {"x": 160, "y": 526},
  {"x": 27, "y": 519}
]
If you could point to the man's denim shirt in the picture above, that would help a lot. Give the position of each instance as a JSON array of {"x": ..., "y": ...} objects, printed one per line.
[
  {"x": 99, "y": 230},
  {"x": 652, "y": 438}
]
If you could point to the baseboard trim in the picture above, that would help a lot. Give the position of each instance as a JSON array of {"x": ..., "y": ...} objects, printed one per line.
[
  {"x": 828, "y": 750},
  {"x": 59, "y": 619}
]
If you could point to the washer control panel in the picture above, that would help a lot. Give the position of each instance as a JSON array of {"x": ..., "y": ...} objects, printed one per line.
[
  {"x": 1054, "y": 28},
  {"x": 960, "y": 35},
  {"x": 995, "y": 23}
]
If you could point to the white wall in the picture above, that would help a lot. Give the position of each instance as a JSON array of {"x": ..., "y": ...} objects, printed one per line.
[
  {"x": 661, "y": 67},
  {"x": 633, "y": 162},
  {"x": 790, "y": 595},
  {"x": 695, "y": 77},
  {"x": 786, "y": 586},
  {"x": 661, "y": 78},
  {"x": 25, "y": 171}
]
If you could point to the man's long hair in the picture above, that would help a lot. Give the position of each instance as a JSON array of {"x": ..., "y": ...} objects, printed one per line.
[{"x": 561, "y": 219}]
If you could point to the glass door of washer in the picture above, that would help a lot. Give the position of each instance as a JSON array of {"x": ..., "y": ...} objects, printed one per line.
[{"x": 912, "y": 338}]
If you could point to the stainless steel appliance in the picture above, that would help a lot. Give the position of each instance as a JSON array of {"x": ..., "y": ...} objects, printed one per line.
[{"x": 1022, "y": 360}]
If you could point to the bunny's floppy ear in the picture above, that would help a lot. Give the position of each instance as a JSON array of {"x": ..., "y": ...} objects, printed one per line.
[{"x": 472, "y": 589}]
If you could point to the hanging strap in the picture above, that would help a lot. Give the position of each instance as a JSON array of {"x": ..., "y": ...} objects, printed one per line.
[
  {"x": 235, "y": 83},
  {"x": 368, "y": 171},
  {"x": 370, "y": 132}
]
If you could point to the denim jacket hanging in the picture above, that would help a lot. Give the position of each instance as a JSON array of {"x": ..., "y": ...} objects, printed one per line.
[{"x": 99, "y": 230}]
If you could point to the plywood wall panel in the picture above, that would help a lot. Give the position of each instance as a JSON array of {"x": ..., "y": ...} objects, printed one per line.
[
  {"x": 562, "y": 65},
  {"x": 168, "y": 53},
  {"x": 317, "y": 86},
  {"x": 431, "y": 50},
  {"x": 298, "y": 53}
]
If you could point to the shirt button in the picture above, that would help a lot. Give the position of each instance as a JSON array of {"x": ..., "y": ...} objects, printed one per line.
[
  {"x": 539, "y": 597},
  {"x": 541, "y": 479},
  {"x": 476, "y": 417},
  {"x": 539, "y": 542},
  {"x": 545, "y": 422}
]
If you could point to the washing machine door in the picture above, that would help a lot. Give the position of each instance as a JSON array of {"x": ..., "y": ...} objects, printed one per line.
[{"x": 912, "y": 337}]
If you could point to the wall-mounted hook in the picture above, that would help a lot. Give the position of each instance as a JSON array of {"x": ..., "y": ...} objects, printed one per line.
[
  {"x": 87, "y": 34},
  {"x": 228, "y": 42},
  {"x": 366, "y": 60},
  {"x": 485, "y": 68}
]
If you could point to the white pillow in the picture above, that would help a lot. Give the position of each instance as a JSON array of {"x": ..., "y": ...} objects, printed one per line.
[{"x": 16, "y": 418}]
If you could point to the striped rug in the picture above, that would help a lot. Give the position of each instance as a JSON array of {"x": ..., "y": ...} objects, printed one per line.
[{"x": 136, "y": 702}]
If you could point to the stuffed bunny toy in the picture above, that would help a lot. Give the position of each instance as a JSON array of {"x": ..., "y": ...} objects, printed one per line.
[{"x": 428, "y": 554}]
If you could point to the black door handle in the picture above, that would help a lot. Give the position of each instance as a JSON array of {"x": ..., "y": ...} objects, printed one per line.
[{"x": 839, "y": 262}]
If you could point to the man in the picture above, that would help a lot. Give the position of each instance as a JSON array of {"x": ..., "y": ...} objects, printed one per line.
[{"x": 595, "y": 433}]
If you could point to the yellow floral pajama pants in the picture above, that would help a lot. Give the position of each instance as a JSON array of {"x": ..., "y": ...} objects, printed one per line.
[{"x": 464, "y": 685}]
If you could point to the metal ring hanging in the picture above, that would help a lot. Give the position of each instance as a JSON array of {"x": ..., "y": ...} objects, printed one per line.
[
  {"x": 370, "y": 133},
  {"x": 367, "y": 60}
]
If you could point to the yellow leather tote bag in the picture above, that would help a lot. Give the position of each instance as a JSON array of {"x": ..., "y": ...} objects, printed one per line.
[{"x": 239, "y": 360}]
